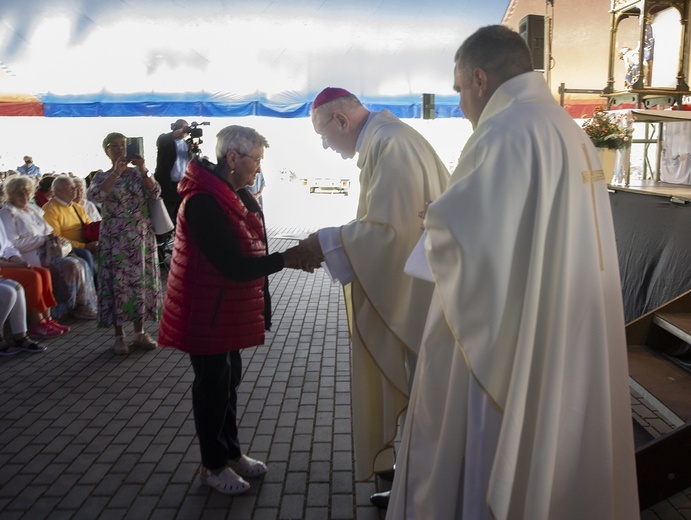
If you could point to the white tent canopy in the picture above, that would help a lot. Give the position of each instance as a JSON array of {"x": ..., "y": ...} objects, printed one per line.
[{"x": 231, "y": 57}]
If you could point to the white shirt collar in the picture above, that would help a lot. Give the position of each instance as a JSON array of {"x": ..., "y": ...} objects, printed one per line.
[{"x": 62, "y": 201}]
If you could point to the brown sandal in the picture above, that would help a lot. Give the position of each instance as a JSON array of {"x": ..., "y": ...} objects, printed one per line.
[
  {"x": 6, "y": 349},
  {"x": 26, "y": 344}
]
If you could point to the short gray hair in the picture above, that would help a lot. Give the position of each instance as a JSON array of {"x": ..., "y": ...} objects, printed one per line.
[
  {"x": 242, "y": 139},
  {"x": 61, "y": 180},
  {"x": 497, "y": 50}
]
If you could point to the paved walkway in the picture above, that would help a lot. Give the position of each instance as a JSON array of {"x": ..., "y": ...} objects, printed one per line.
[
  {"x": 85, "y": 434},
  {"x": 88, "y": 434}
]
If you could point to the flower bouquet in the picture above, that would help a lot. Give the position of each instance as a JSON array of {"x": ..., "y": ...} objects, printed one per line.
[{"x": 607, "y": 130}]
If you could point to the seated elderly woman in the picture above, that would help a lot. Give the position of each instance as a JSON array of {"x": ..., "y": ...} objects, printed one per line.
[
  {"x": 80, "y": 198},
  {"x": 37, "y": 293},
  {"x": 73, "y": 285}
]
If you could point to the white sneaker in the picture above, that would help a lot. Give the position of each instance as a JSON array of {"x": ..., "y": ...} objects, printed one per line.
[
  {"x": 247, "y": 467},
  {"x": 227, "y": 481},
  {"x": 143, "y": 340},
  {"x": 120, "y": 346}
]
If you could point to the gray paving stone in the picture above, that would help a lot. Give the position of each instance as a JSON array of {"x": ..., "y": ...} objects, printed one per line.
[
  {"x": 173, "y": 495},
  {"x": 43, "y": 509},
  {"x": 280, "y": 452},
  {"x": 87, "y": 434},
  {"x": 292, "y": 507},
  {"x": 318, "y": 513},
  {"x": 109, "y": 485},
  {"x": 156, "y": 484},
  {"x": 76, "y": 497},
  {"x": 143, "y": 507},
  {"x": 318, "y": 494},
  {"x": 320, "y": 472},
  {"x": 92, "y": 507},
  {"x": 38, "y": 463},
  {"x": 342, "y": 507}
]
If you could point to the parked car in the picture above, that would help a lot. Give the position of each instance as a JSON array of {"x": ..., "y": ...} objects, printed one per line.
[{"x": 326, "y": 185}]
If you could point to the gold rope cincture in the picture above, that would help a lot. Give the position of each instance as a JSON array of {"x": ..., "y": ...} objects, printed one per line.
[{"x": 591, "y": 177}]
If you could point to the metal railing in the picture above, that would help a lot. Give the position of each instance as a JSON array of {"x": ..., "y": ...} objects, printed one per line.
[{"x": 563, "y": 90}]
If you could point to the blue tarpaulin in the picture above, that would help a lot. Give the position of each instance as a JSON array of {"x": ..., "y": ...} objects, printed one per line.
[{"x": 203, "y": 104}]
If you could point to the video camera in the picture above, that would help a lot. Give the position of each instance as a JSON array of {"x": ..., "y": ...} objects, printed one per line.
[
  {"x": 194, "y": 131},
  {"x": 194, "y": 137}
]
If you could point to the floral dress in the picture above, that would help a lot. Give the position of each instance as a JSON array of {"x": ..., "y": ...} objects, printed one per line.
[{"x": 129, "y": 285}]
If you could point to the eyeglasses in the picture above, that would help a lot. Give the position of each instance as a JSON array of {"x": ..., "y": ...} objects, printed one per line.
[{"x": 257, "y": 160}]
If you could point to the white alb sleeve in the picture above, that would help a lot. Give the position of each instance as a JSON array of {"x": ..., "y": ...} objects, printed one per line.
[
  {"x": 417, "y": 265},
  {"x": 335, "y": 263}
]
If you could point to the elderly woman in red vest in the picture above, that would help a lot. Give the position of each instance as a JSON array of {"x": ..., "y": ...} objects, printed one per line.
[{"x": 217, "y": 299}]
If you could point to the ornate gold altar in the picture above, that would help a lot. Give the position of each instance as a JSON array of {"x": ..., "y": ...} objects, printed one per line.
[{"x": 640, "y": 86}]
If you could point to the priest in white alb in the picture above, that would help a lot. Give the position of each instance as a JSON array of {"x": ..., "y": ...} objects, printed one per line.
[
  {"x": 399, "y": 173},
  {"x": 520, "y": 407}
]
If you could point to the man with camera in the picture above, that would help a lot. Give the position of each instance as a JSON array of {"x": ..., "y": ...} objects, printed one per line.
[
  {"x": 172, "y": 157},
  {"x": 173, "y": 154}
]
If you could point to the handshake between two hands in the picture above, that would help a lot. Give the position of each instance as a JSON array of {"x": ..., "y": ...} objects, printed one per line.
[{"x": 307, "y": 255}]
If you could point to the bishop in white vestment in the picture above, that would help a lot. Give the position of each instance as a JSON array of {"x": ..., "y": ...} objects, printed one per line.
[
  {"x": 399, "y": 173},
  {"x": 520, "y": 407}
]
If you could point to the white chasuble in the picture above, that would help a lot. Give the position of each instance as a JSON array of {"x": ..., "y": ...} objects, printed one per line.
[
  {"x": 400, "y": 172},
  {"x": 520, "y": 407}
]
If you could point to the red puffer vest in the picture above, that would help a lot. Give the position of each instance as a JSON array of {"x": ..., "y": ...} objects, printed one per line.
[{"x": 205, "y": 312}]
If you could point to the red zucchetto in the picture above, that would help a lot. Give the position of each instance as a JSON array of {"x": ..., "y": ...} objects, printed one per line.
[{"x": 329, "y": 94}]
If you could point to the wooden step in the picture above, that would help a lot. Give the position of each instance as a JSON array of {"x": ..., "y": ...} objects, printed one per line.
[
  {"x": 638, "y": 330},
  {"x": 662, "y": 464},
  {"x": 677, "y": 323},
  {"x": 666, "y": 385}
]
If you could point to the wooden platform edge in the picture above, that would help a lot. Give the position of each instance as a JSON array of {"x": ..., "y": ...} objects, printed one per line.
[{"x": 663, "y": 467}]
